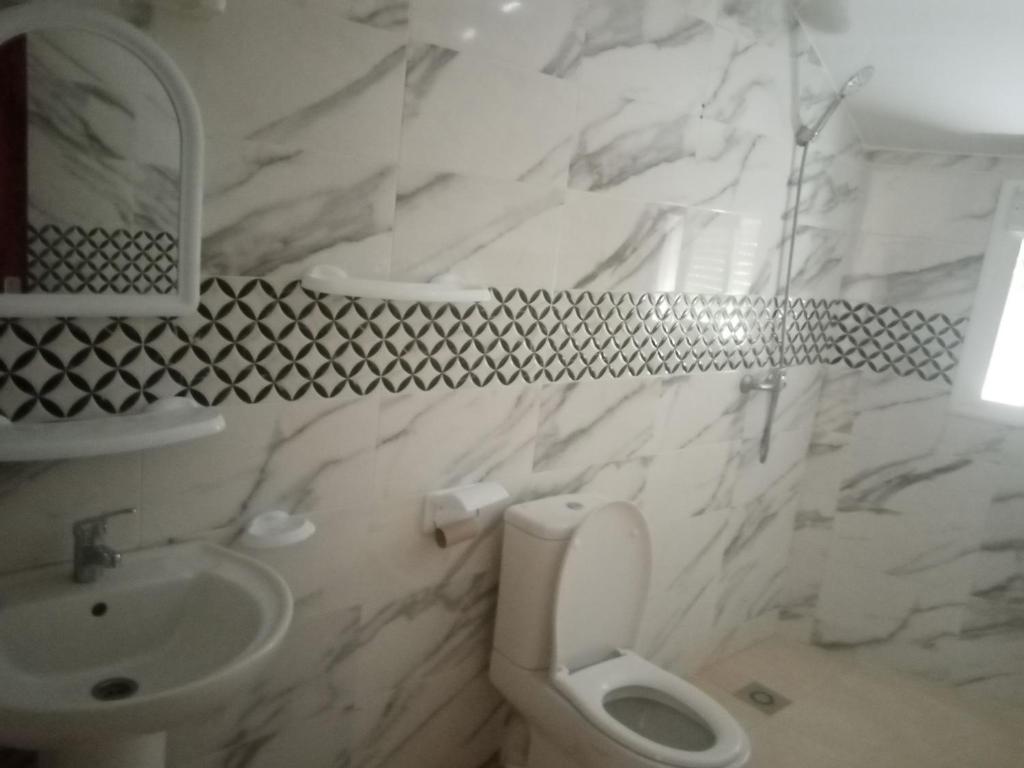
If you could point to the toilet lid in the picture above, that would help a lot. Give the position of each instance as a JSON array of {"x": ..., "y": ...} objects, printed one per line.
[{"x": 602, "y": 587}]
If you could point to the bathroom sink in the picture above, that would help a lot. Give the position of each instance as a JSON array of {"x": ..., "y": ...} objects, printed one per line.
[{"x": 171, "y": 633}]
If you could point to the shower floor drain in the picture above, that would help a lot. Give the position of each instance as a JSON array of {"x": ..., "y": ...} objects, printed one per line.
[
  {"x": 115, "y": 689},
  {"x": 763, "y": 697}
]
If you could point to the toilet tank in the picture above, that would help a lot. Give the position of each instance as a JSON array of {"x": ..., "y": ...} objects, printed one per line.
[{"x": 536, "y": 536}]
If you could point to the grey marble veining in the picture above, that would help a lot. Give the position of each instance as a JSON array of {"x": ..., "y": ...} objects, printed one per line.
[
  {"x": 594, "y": 422},
  {"x": 638, "y": 48},
  {"x": 467, "y": 114},
  {"x": 911, "y": 273},
  {"x": 275, "y": 211},
  {"x": 455, "y": 227}
]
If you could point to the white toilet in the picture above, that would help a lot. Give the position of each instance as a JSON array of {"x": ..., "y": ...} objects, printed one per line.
[{"x": 574, "y": 578}]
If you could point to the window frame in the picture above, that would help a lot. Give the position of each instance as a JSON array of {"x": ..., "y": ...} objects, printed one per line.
[{"x": 1001, "y": 258}]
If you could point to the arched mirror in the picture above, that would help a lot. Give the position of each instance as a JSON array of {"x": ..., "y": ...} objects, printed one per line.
[{"x": 100, "y": 169}]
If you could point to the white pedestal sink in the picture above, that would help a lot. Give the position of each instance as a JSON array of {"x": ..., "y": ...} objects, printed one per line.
[{"x": 93, "y": 675}]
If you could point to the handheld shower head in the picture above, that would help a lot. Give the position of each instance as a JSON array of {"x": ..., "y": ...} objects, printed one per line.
[{"x": 857, "y": 81}]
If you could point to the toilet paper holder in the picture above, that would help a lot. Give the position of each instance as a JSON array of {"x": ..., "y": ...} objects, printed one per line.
[{"x": 453, "y": 515}]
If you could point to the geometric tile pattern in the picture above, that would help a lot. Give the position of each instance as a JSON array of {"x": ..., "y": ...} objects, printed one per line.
[
  {"x": 907, "y": 342},
  {"x": 252, "y": 340},
  {"x": 75, "y": 260}
]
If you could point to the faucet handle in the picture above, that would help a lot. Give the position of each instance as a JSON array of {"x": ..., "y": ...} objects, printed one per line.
[{"x": 91, "y": 526}]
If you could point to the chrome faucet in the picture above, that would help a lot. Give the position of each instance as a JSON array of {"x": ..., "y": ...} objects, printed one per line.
[{"x": 91, "y": 554}]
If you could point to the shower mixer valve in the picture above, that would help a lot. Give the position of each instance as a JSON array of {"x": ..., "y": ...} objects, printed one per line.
[{"x": 773, "y": 381}]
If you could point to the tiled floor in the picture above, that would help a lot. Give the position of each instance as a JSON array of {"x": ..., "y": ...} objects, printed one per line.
[{"x": 847, "y": 715}]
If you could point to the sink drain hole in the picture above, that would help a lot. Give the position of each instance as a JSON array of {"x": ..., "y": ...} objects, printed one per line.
[{"x": 115, "y": 689}]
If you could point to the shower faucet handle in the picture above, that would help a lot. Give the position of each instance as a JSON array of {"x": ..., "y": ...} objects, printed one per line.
[
  {"x": 89, "y": 528},
  {"x": 773, "y": 381}
]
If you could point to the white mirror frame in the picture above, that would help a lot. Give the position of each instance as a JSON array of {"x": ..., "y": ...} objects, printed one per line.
[{"x": 40, "y": 16}]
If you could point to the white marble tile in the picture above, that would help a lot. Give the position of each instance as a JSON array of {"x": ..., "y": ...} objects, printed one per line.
[
  {"x": 691, "y": 482},
  {"x": 541, "y": 35},
  {"x": 750, "y": 84},
  {"x": 947, "y": 206},
  {"x": 311, "y": 456},
  {"x": 698, "y": 408},
  {"x": 385, "y": 14},
  {"x": 628, "y": 245},
  {"x": 745, "y": 170},
  {"x": 754, "y": 567},
  {"x": 818, "y": 262},
  {"x": 39, "y": 501},
  {"x": 805, "y": 570},
  {"x": 438, "y": 439},
  {"x": 274, "y": 211},
  {"x": 761, "y": 529},
  {"x": 754, "y": 18},
  {"x": 639, "y": 150},
  {"x": 834, "y": 192},
  {"x": 658, "y": 153},
  {"x": 476, "y": 231},
  {"x": 435, "y": 630},
  {"x": 468, "y": 115},
  {"x": 676, "y": 632},
  {"x": 913, "y": 273},
  {"x": 595, "y": 422},
  {"x": 858, "y": 606},
  {"x": 456, "y": 725},
  {"x": 783, "y": 467},
  {"x": 990, "y": 653},
  {"x": 999, "y": 574},
  {"x": 341, "y": 90},
  {"x": 903, "y": 415},
  {"x": 626, "y": 480},
  {"x": 647, "y": 49}
]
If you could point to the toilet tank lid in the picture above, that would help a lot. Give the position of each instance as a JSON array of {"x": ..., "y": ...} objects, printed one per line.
[{"x": 554, "y": 517}]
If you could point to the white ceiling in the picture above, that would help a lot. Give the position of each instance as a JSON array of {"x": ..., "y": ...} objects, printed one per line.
[{"x": 949, "y": 73}]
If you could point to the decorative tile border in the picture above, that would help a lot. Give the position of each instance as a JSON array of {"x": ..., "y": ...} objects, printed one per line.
[
  {"x": 890, "y": 339},
  {"x": 76, "y": 260},
  {"x": 252, "y": 340}
]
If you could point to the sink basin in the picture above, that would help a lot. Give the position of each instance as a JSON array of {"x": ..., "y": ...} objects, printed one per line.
[{"x": 171, "y": 633}]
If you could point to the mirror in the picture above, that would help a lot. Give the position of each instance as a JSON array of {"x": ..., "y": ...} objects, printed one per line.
[{"x": 100, "y": 169}]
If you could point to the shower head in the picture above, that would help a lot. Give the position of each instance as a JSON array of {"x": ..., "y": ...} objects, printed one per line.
[{"x": 857, "y": 81}]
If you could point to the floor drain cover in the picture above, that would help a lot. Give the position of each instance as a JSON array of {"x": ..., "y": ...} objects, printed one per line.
[
  {"x": 115, "y": 689},
  {"x": 763, "y": 697}
]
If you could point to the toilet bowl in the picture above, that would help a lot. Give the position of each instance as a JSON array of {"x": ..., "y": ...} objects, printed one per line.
[{"x": 574, "y": 580}]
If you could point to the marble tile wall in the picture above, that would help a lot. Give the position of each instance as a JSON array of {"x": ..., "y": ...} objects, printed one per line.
[
  {"x": 909, "y": 526},
  {"x": 566, "y": 144}
]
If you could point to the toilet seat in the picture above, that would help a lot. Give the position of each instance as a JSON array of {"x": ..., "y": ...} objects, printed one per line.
[{"x": 590, "y": 687}]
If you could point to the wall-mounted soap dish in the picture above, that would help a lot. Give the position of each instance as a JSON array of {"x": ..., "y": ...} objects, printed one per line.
[
  {"x": 165, "y": 422},
  {"x": 328, "y": 279}
]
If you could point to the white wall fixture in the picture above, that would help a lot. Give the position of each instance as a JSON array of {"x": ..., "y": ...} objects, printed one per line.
[
  {"x": 182, "y": 297},
  {"x": 456, "y": 514},
  {"x": 201, "y": 8},
  {"x": 165, "y": 422},
  {"x": 277, "y": 528},
  {"x": 328, "y": 279},
  {"x": 189, "y": 628},
  {"x": 990, "y": 378}
]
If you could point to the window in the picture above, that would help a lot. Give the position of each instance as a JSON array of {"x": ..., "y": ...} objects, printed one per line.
[{"x": 990, "y": 377}]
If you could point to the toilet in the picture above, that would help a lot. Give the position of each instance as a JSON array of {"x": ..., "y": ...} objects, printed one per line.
[{"x": 574, "y": 577}]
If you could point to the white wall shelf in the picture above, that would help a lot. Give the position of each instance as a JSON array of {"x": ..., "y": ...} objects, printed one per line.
[
  {"x": 328, "y": 279},
  {"x": 165, "y": 422}
]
